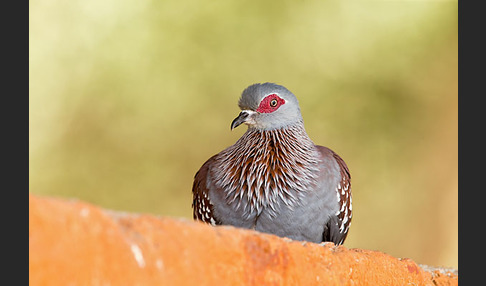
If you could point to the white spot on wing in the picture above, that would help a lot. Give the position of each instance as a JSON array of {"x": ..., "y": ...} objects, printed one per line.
[
  {"x": 345, "y": 219},
  {"x": 341, "y": 229},
  {"x": 343, "y": 207}
]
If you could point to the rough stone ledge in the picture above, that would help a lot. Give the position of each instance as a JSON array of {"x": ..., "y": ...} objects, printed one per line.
[{"x": 76, "y": 243}]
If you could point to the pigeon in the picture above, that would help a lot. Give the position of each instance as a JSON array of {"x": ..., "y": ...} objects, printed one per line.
[{"x": 274, "y": 179}]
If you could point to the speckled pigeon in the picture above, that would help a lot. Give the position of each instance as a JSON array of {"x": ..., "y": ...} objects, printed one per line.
[{"x": 274, "y": 179}]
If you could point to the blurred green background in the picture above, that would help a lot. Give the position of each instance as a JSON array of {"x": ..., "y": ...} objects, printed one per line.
[{"x": 129, "y": 98}]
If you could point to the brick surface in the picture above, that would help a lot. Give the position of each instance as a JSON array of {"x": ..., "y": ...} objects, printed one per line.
[{"x": 76, "y": 243}]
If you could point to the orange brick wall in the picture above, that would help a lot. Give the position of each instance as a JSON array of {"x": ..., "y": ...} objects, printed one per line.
[{"x": 75, "y": 243}]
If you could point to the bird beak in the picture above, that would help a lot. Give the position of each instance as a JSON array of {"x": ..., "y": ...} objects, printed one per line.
[{"x": 243, "y": 117}]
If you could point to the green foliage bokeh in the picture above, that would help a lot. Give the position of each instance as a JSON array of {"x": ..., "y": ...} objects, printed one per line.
[{"x": 129, "y": 98}]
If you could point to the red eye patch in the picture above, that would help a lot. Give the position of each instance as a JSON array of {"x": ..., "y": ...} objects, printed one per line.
[{"x": 270, "y": 103}]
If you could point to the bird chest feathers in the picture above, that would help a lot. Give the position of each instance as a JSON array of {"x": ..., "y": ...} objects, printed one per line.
[{"x": 265, "y": 167}]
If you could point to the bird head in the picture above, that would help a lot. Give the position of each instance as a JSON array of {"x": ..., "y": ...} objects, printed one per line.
[{"x": 267, "y": 106}]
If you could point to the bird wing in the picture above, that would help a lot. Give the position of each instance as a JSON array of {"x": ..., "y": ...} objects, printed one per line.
[
  {"x": 336, "y": 228},
  {"x": 202, "y": 207}
]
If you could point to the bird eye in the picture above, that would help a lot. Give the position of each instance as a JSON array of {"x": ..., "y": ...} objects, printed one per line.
[{"x": 270, "y": 103}]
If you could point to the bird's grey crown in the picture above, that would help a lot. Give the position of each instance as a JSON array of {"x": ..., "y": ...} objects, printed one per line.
[{"x": 253, "y": 95}]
